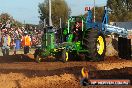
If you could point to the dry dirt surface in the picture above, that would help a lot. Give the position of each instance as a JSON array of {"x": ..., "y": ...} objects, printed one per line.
[{"x": 22, "y": 71}]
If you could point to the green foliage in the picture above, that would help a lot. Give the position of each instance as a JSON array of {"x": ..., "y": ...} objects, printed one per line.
[
  {"x": 98, "y": 13},
  {"x": 4, "y": 17},
  {"x": 121, "y": 10},
  {"x": 60, "y": 9}
]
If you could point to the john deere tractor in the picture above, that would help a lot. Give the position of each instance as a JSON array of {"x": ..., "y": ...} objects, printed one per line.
[{"x": 82, "y": 39}]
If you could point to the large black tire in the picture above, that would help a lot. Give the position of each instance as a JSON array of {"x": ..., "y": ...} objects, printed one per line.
[
  {"x": 37, "y": 56},
  {"x": 38, "y": 59},
  {"x": 94, "y": 42},
  {"x": 65, "y": 56},
  {"x": 124, "y": 48}
]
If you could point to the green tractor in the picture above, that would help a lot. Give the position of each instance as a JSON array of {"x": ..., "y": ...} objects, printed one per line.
[
  {"x": 88, "y": 42},
  {"x": 78, "y": 42},
  {"x": 81, "y": 39}
]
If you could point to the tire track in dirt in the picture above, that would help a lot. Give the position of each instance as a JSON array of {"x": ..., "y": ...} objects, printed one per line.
[{"x": 25, "y": 73}]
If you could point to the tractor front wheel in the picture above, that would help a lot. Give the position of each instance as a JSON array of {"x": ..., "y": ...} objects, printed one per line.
[
  {"x": 37, "y": 56},
  {"x": 38, "y": 59},
  {"x": 64, "y": 56}
]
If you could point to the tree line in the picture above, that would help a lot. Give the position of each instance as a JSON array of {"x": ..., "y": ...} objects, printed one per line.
[
  {"x": 4, "y": 17},
  {"x": 121, "y": 11},
  {"x": 60, "y": 9}
]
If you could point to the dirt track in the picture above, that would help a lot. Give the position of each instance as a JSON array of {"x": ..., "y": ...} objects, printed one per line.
[{"x": 22, "y": 72}]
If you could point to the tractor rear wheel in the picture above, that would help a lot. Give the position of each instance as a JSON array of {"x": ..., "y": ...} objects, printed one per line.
[
  {"x": 65, "y": 56},
  {"x": 94, "y": 42}
]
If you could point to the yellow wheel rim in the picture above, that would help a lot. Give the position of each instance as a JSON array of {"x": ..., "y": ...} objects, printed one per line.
[
  {"x": 67, "y": 56},
  {"x": 100, "y": 45}
]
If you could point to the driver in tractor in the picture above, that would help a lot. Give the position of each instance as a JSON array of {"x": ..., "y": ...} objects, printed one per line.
[{"x": 77, "y": 31}]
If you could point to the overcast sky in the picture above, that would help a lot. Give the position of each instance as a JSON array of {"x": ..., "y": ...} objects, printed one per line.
[{"x": 27, "y": 10}]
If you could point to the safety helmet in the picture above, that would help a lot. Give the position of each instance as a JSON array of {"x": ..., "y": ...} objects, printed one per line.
[{"x": 25, "y": 32}]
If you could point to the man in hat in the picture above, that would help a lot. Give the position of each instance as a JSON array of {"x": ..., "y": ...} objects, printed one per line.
[{"x": 26, "y": 42}]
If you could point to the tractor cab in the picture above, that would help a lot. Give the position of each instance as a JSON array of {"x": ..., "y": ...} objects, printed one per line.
[{"x": 73, "y": 31}]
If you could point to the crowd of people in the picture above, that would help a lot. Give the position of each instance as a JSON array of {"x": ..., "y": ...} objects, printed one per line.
[{"x": 9, "y": 35}]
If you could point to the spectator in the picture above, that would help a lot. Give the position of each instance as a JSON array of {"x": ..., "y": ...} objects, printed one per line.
[
  {"x": 8, "y": 24},
  {"x": 14, "y": 46},
  {"x": 17, "y": 32},
  {"x": 0, "y": 38},
  {"x": 6, "y": 40},
  {"x": 26, "y": 42}
]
